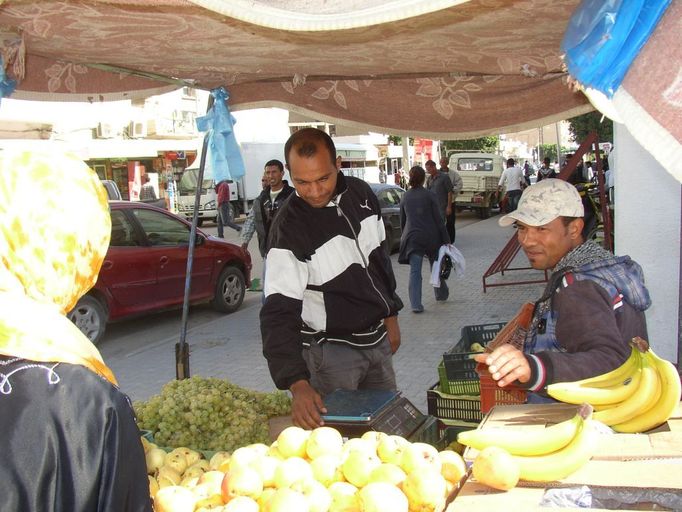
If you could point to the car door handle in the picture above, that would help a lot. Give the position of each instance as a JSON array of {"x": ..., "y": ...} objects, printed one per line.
[
  {"x": 107, "y": 265},
  {"x": 163, "y": 261}
]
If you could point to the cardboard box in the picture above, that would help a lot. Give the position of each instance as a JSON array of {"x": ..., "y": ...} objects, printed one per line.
[{"x": 623, "y": 464}]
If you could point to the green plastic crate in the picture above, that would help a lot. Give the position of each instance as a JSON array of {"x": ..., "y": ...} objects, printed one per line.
[{"x": 464, "y": 383}]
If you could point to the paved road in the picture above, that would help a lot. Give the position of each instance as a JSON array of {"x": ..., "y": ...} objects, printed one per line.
[{"x": 141, "y": 351}]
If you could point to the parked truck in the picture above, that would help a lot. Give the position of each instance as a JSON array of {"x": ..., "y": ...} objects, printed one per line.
[
  {"x": 242, "y": 191},
  {"x": 480, "y": 174}
]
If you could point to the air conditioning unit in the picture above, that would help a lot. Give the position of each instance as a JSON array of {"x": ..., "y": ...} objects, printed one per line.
[
  {"x": 104, "y": 131},
  {"x": 137, "y": 129}
]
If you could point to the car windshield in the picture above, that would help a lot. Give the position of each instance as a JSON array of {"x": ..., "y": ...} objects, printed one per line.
[
  {"x": 188, "y": 182},
  {"x": 475, "y": 164}
]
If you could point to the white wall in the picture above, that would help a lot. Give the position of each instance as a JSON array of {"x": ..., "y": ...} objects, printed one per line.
[{"x": 647, "y": 219}]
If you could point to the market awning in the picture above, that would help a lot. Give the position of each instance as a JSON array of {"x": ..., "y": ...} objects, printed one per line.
[{"x": 434, "y": 68}]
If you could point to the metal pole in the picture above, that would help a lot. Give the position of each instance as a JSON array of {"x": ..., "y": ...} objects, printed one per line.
[{"x": 182, "y": 347}]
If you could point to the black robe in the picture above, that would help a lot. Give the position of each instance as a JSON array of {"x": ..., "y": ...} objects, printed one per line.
[{"x": 69, "y": 442}]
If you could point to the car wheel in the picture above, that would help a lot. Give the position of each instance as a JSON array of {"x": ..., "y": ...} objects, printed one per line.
[
  {"x": 229, "y": 290},
  {"x": 200, "y": 222},
  {"x": 484, "y": 212},
  {"x": 90, "y": 316}
]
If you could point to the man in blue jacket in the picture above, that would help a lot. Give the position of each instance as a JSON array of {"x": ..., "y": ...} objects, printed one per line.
[
  {"x": 593, "y": 304},
  {"x": 329, "y": 320}
]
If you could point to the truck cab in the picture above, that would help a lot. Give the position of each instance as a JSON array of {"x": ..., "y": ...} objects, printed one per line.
[
  {"x": 208, "y": 201},
  {"x": 480, "y": 174}
]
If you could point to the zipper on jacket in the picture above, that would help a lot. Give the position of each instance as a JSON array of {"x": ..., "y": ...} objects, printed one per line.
[{"x": 341, "y": 213}]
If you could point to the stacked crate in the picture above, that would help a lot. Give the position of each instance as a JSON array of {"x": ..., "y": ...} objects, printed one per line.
[{"x": 456, "y": 398}]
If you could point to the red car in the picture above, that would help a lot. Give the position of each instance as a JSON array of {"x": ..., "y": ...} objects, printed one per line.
[{"x": 145, "y": 266}]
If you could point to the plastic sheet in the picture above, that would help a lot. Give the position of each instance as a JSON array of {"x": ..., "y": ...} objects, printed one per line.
[
  {"x": 604, "y": 37},
  {"x": 612, "y": 499}
]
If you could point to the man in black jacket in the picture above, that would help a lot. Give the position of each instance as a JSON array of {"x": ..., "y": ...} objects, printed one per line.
[
  {"x": 266, "y": 205},
  {"x": 330, "y": 315}
]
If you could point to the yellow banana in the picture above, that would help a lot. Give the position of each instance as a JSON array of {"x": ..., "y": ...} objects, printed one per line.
[
  {"x": 523, "y": 442},
  {"x": 666, "y": 404},
  {"x": 560, "y": 464},
  {"x": 640, "y": 401},
  {"x": 614, "y": 377},
  {"x": 574, "y": 393}
]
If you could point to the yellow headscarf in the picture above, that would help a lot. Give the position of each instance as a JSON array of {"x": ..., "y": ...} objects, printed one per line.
[{"x": 54, "y": 233}]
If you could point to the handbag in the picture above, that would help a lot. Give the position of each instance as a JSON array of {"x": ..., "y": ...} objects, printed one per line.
[{"x": 445, "y": 266}]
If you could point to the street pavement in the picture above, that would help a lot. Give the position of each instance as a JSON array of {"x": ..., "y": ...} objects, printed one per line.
[{"x": 229, "y": 346}]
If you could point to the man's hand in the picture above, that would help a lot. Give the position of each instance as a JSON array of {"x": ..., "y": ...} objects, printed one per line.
[
  {"x": 448, "y": 210},
  {"x": 506, "y": 364},
  {"x": 307, "y": 405},
  {"x": 393, "y": 332}
]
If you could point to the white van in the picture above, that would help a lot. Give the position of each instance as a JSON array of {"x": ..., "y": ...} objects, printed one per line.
[{"x": 480, "y": 174}]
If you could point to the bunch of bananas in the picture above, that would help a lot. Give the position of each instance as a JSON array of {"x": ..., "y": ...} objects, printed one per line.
[
  {"x": 639, "y": 395},
  {"x": 543, "y": 455}
]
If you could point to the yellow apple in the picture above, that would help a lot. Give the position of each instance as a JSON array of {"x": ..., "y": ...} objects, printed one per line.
[
  {"x": 344, "y": 497},
  {"x": 425, "y": 489},
  {"x": 243, "y": 481},
  {"x": 194, "y": 471},
  {"x": 273, "y": 451},
  {"x": 390, "y": 449},
  {"x": 167, "y": 476},
  {"x": 266, "y": 466},
  {"x": 243, "y": 456},
  {"x": 327, "y": 469},
  {"x": 153, "y": 486},
  {"x": 259, "y": 448},
  {"x": 218, "y": 458},
  {"x": 373, "y": 436},
  {"x": 287, "y": 500},
  {"x": 154, "y": 459},
  {"x": 453, "y": 467},
  {"x": 291, "y": 472},
  {"x": 323, "y": 441},
  {"x": 146, "y": 445},
  {"x": 419, "y": 455},
  {"x": 496, "y": 468},
  {"x": 213, "y": 480},
  {"x": 241, "y": 504},
  {"x": 189, "y": 481},
  {"x": 358, "y": 466},
  {"x": 177, "y": 461},
  {"x": 212, "y": 502},
  {"x": 265, "y": 496},
  {"x": 174, "y": 499},
  {"x": 382, "y": 496},
  {"x": 291, "y": 442},
  {"x": 319, "y": 498},
  {"x": 191, "y": 456},
  {"x": 387, "y": 473},
  {"x": 357, "y": 444}
]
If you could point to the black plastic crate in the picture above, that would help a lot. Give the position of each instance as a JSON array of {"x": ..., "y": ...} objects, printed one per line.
[
  {"x": 459, "y": 359},
  {"x": 481, "y": 333},
  {"x": 453, "y": 407},
  {"x": 448, "y": 434}
]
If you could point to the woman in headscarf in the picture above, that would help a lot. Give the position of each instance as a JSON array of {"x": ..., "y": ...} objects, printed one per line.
[{"x": 69, "y": 439}]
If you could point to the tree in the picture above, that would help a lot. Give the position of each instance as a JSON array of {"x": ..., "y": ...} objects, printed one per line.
[
  {"x": 581, "y": 126},
  {"x": 397, "y": 140},
  {"x": 549, "y": 150},
  {"x": 482, "y": 144}
]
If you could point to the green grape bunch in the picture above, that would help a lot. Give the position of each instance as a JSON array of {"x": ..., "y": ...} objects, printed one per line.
[{"x": 210, "y": 414}]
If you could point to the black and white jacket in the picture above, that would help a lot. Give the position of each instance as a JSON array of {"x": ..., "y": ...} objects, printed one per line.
[{"x": 327, "y": 278}]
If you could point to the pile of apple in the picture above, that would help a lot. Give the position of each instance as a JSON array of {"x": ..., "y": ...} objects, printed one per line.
[{"x": 307, "y": 471}]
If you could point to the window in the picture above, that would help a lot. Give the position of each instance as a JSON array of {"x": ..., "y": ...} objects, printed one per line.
[
  {"x": 475, "y": 164},
  {"x": 122, "y": 232},
  {"x": 162, "y": 229}
]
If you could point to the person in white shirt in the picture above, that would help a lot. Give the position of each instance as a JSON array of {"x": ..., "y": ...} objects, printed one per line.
[{"x": 513, "y": 181}]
